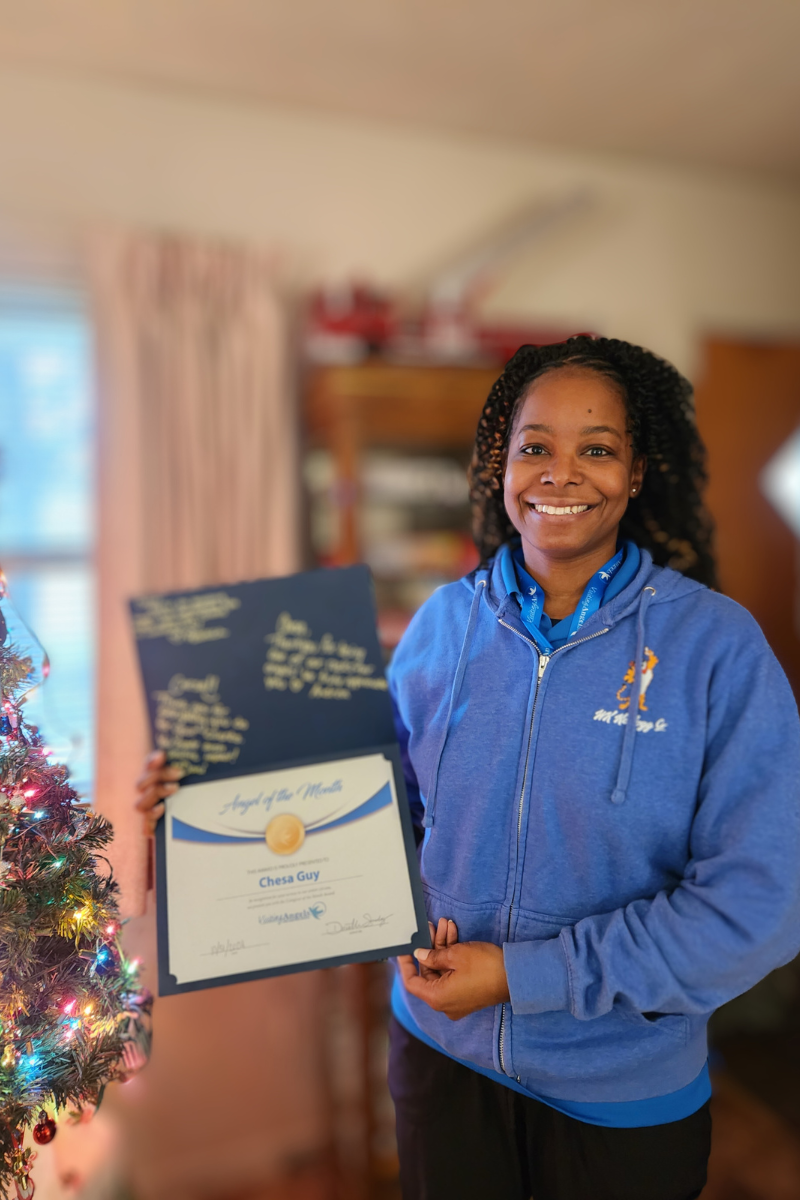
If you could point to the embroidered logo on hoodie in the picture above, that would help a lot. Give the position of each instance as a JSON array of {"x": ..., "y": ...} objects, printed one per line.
[
  {"x": 649, "y": 664},
  {"x": 620, "y": 717}
]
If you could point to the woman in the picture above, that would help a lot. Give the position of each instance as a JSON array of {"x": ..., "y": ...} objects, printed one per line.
[
  {"x": 603, "y": 757},
  {"x": 602, "y": 760}
]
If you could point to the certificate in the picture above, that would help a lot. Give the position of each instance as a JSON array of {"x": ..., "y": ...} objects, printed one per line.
[
  {"x": 289, "y": 844},
  {"x": 307, "y": 863}
]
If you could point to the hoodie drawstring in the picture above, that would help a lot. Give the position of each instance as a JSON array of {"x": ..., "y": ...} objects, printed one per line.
[
  {"x": 629, "y": 737},
  {"x": 430, "y": 807}
]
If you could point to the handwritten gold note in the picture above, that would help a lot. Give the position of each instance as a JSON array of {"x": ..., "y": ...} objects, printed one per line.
[
  {"x": 330, "y": 669},
  {"x": 193, "y": 724},
  {"x": 184, "y": 618},
  {"x": 194, "y": 727}
]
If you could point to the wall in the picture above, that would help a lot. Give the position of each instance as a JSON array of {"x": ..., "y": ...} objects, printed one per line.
[{"x": 661, "y": 253}]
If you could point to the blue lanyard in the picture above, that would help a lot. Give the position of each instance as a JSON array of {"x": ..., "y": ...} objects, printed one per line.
[{"x": 532, "y": 605}]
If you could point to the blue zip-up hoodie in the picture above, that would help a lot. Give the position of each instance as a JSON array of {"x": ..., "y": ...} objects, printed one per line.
[{"x": 637, "y": 874}]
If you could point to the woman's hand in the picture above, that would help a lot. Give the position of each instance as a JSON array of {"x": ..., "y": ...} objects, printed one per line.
[
  {"x": 456, "y": 978},
  {"x": 156, "y": 782},
  {"x": 442, "y": 935}
]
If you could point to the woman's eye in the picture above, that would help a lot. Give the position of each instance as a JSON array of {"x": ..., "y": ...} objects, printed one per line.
[
  {"x": 598, "y": 451},
  {"x": 533, "y": 450}
]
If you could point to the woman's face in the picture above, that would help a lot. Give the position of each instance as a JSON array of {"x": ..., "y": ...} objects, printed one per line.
[{"x": 570, "y": 469}]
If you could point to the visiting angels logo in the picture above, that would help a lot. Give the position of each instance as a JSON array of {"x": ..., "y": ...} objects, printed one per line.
[{"x": 619, "y": 716}]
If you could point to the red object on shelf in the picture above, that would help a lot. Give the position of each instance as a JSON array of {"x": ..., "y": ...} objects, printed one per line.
[
  {"x": 349, "y": 322},
  {"x": 354, "y": 310}
]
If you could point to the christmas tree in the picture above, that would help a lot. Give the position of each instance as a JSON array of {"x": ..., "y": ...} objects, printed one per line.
[{"x": 72, "y": 1016}]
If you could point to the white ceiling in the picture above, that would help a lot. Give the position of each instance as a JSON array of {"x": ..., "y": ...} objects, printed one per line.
[{"x": 708, "y": 81}]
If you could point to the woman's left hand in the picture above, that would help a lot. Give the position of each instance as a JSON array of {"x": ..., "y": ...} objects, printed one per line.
[{"x": 458, "y": 979}]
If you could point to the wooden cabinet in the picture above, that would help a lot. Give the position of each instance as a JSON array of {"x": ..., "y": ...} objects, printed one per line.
[{"x": 387, "y": 451}]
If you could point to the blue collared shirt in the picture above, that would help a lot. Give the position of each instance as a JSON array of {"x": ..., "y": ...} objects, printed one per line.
[{"x": 518, "y": 581}]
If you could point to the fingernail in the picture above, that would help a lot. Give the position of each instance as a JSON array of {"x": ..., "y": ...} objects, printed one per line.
[{"x": 421, "y": 955}]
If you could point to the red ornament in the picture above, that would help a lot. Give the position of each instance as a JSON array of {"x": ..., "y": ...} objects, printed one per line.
[{"x": 45, "y": 1131}]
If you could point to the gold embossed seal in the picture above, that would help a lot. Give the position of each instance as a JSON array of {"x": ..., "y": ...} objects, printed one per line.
[{"x": 285, "y": 833}]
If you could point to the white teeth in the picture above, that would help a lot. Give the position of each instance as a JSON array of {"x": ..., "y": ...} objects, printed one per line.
[{"x": 552, "y": 511}]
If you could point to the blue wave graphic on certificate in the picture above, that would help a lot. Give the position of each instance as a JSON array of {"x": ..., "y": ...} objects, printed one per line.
[{"x": 184, "y": 832}]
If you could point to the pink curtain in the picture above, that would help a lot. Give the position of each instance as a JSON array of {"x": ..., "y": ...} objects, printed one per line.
[
  {"x": 197, "y": 464},
  {"x": 197, "y": 485}
]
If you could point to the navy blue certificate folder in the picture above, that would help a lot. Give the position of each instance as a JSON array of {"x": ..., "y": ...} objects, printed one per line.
[{"x": 271, "y": 697}]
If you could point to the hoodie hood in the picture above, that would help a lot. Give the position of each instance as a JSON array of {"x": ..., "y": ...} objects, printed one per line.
[{"x": 667, "y": 585}]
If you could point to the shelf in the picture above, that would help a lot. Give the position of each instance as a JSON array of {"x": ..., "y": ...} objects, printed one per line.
[
  {"x": 387, "y": 453},
  {"x": 392, "y": 405}
]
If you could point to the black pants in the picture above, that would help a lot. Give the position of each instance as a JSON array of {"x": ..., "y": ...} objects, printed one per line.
[{"x": 462, "y": 1136}]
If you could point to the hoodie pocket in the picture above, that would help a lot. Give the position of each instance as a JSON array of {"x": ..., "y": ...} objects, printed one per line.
[
  {"x": 536, "y": 926},
  {"x": 671, "y": 1023},
  {"x": 475, "y": 922},
  {"x": 532, "y": 926}
]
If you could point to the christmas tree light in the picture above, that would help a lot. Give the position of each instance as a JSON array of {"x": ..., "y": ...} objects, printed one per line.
[{"x": 72, "y": 1016}]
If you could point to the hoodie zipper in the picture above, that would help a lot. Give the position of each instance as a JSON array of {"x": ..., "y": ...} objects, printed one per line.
[{"x": 544, "y": 659}]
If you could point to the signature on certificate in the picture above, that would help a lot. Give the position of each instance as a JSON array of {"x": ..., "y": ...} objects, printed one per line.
[
  {"x": 232, "y": 947},
  {"x": 356, "y": 924}
]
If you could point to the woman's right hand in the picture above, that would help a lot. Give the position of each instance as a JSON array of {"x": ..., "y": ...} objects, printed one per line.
[{"x": 156, "y": 782}]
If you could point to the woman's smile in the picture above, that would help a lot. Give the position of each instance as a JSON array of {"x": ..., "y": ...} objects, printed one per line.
[{"x": 551, "y": 510}]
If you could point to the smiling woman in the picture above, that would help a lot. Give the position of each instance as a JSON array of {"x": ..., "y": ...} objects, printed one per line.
[{"x": 602, "y": 757}]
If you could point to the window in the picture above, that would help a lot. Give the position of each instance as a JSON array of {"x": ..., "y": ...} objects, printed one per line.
[{"x": 46, "y": 512}]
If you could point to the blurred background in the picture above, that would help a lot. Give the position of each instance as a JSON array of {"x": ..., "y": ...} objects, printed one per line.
[{"x": 260, "y": 263}]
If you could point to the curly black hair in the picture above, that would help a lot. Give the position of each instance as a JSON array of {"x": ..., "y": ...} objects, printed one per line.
[{"x": 668, "y": 517}]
